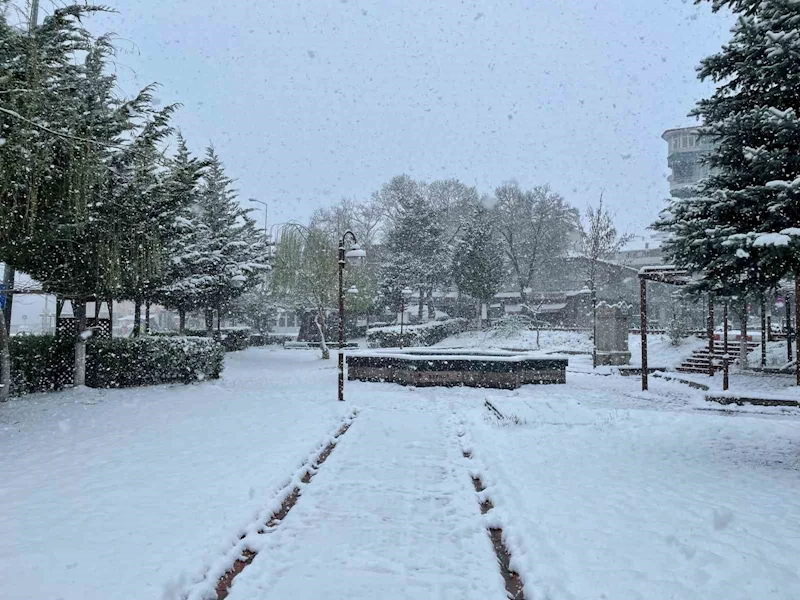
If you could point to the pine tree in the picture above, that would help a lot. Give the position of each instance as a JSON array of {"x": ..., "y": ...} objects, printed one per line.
[
  {"x": 478, "y": 267},
  {"x": 184, "y": 282},
  {"x": 231, "y": 249},
  {"x": 740, "y": 229},
  {"x": 416, "y": 253}
]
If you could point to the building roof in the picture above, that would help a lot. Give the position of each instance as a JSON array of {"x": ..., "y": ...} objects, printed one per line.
[{"x": 674, "y": 130}]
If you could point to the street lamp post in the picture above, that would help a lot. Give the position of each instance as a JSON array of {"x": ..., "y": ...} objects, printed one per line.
[
  {"x": 594, "y": 325},
  {"x": 354, "y": 256},
  {"x": 405, "y": 293}
]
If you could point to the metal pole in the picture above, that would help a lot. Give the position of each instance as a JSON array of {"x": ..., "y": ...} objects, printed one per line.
[
  {"x": 710, "y": 335},
  {"x": 796, "y": 322},
  {"x": 643, "y": 326},
  {"x": 594, "y": 327},
  {"x": 788, "y": 306},
  {"x": 402, "y": 314},
  {"x": 341, "y": 319},
  {"x": 763, "y": 331}
]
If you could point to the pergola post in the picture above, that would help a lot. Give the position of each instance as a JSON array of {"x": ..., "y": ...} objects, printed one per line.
[
  {"x": 788, "y": 306},
  {"x": 764, "y": 334},
  {"x": 710, "y": 332},
  {"x": 796, "y": 323},
  {"x": 643, "y": 327}
]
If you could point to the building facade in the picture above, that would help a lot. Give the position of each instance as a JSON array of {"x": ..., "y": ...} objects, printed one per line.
[{"x": 685, "y": 154}]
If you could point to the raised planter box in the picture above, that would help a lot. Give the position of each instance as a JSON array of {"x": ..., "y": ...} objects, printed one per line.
[
  {"x": 756, "y": 401},
  {"x": 316, "y": 345},
  {"x": 447, "y": 367}
]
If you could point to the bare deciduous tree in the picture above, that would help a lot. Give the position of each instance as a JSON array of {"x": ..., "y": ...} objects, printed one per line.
[{"x": 534, "y": 227}]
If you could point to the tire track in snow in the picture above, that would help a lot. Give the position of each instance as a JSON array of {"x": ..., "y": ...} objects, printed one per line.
[
  {"x": 218, "y": 586},
  {"x": 513, "y": 583}
]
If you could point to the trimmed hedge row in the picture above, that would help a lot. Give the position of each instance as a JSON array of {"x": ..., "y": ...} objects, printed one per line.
[
  {"x": 232, "y": 339},
  {"x": 271, "y": 339},
  {"x": 426, "y": 334},
  {"x": 130, "y": 362},
  {"x": 43, "y": 363}
]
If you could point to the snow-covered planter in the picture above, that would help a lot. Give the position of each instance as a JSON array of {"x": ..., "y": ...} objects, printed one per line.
[
  {"x": 426, "y": 334},
  {"x": 456, "y": 367}
]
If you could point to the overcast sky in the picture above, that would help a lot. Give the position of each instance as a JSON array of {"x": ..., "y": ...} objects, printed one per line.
[
  {"x": 314, "y": 100},
  {"x": 310, "y": 101}
]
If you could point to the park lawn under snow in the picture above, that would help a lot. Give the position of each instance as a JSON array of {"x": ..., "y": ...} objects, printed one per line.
[
  {"x": 608, "y": 492},
  {"x": 660, "y": 351},
  {"x": 133, "y": 493},
  {"x": 603, "y": 491}
]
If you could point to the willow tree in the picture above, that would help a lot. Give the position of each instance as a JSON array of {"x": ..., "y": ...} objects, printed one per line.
[{"x": 305, "y": 271}]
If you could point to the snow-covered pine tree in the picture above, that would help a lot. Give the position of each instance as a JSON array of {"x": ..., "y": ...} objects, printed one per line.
[
  {"x": 231, "y": 250},
  {"x": 478, "y": 266},
  {"x": 416, "y": 253},
  {"x": 184, "y": 283},
  {"x": 739, "y": 230},
  {"x": 143, "y": 210}
]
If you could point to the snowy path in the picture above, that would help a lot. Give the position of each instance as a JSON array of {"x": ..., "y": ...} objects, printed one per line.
[
  {"x": 391, "y": 514},
  {"x": 133, "y": 493}
]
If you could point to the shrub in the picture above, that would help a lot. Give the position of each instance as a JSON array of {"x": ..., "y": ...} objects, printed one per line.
[
  {"x": 509, "y": 325},
  {"x": 43, "y": 363},
  {"x": 150, "y": 360},
  {"x": 39, "y": 363},
  {"x": 231, "y": 338},
  {"x": 426, "y": 334},
  {"x": 235, "y": 338}
]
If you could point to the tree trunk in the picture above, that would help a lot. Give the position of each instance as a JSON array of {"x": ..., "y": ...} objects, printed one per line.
[
  {"x": 181, "y": 320},
  {"x": 431, "y": 307},
  {"x": 320, "y": 322},
  {"x": 479, "y": 313},
  {"x": 8, "y": 284},
  {"x": 147, "y": 317},
  {"x": 79, "y": 371},
  {"x": 137, "y": 317},
  {"x": 209, "y": 321},
  {"x": 420, "y": 304},
  {"x": 5, "y": 362},
  {"x": 743, "y": 336}
]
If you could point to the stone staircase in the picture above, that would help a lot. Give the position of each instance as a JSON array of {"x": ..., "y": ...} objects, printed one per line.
[{"x": 698, "y": 361}]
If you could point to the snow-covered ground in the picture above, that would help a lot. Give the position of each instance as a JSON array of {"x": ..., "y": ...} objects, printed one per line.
[
  {"x": 603, "y": 491},
  {"x": 555, "y": 341},
  {"x": 603, "y": 497},
  {"x": 660, "y": 352},
  {"x": 127, "y": 493}
]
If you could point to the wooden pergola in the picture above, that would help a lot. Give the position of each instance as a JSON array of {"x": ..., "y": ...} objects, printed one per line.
[{"x": 672, "y": 275}]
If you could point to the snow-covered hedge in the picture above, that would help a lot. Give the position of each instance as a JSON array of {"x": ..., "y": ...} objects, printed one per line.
[
  {"x": 42, "y": 363},
  {"x": 426, "y": 334},
  {"x": 35, "y": 362},
  {"x": 232, "y": 338},
  {"x": 149, "y": 360}
]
